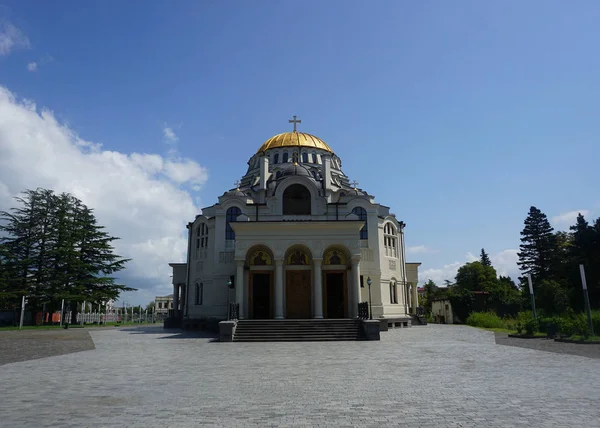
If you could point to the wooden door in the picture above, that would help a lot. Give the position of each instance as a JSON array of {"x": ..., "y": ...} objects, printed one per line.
[{"x": 298, "y": 294}]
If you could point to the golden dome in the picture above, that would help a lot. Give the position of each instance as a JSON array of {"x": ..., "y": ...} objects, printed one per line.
[{"x": 294, "y": 139}]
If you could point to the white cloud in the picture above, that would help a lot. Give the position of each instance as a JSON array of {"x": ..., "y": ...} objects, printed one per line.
[
  {"x": 439, "y": 275},
  {"x": 505, "y": 263},
  {"x": 564, "y": 220},
  {"x": 419, "y": 249},
  {"x": 11, "y": 38},
  {"x": 169, "y": 134},
  {"x": 32, "y": 66},
  {"x": 138, "y": 197}
]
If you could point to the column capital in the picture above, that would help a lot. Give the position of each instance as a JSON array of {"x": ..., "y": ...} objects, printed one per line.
[
  {"x": 240, "y": 262},
  {"x": 355, "y": 260},
  {"x": 317, "y": 261},
  {"x": 278, "y": 262}
]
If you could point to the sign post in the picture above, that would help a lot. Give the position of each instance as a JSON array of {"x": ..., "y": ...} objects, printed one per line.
[
  {"x": 532, "y": 296},
  {"x": 22, "y": 312},
  {"x": 62, "y": 311},
  {"x": 587, "y": 299}
]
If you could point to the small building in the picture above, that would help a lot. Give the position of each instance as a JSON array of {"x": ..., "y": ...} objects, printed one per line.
[
  {"x": 162, "y": 304},
  {"x": 441, "y": 311}
]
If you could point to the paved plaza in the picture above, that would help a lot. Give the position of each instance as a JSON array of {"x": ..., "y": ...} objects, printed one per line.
[{"x": 431, "y": 376}]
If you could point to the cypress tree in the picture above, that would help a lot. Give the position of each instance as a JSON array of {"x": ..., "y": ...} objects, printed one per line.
[
  {"x": 484, "y": 259},
  {"x": 52, "y": 248},
  {"x": 538, "y": 249}
]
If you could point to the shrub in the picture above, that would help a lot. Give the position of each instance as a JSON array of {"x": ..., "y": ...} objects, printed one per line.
[
  {"x": 573, "y": 324},
  {"x": 596, "y": 321},
  {"x": 525, "y": 321},
  {"x": 485, "y": 320}
]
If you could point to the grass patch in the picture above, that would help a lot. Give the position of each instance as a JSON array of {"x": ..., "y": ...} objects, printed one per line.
[
  {"x": 52, "y": 327},
  {"x": 500, "y": 330},
  {"x": 485, "y": 320},
  {"x": 584, "y": 339}
]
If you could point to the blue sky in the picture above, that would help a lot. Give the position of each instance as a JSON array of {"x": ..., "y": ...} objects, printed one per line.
[{"x": 458, "y": 115}]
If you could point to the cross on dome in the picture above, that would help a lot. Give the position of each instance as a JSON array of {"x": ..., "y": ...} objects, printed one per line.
[
  {"x": 294, "y": 121},
  {"x": 237, "y": 184},
  {"x": 354, "y": 183}
]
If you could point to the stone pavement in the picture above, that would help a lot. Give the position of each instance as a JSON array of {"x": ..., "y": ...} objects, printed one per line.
[
  {"x": 549, "y": 345},
  {"x": 430, "y": 376},
  {"x": 23, "y": 345}
]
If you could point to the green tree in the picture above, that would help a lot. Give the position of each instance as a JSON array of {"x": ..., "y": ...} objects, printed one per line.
[
  {"x": 484, "y": 259},
  {"x": 585, "y": 250},
  {"x": 552, "y": 297},
  {"x": 538, "y": 249},
  {"x": 432, "y": 291},
  {"x": 475, "y": 276},
  {"x": 52, "y": 248}
]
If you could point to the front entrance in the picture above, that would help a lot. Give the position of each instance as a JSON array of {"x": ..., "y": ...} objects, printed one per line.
[
  {"x": 334, "y": 295},
  {"x": 298, "y": 294},
  {"x": 261, "y": 296}
]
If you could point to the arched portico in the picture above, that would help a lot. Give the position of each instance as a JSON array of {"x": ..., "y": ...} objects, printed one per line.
[
  {"x": 298, "y": 282},
  {"x": 259, "y": 287},
  {"x": 336, "y": 260}
]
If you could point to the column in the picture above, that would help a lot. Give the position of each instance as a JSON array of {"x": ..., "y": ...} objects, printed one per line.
[
  {"x": 318, "y": 289},
  {"x": 239, "y": 288},
  {"x": 355, "y": 296},
  {"x": 278, "y": 289},
  {"x": 415, "y": 298},
  {"x": 176, "y": 298}
]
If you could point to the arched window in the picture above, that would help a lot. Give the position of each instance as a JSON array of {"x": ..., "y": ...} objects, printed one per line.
[
  {"x": 232, "y": 215},
  {"x": 305, "y": 157},
  {"x": 276, "y": 158},
  {"x": 296, "y": 200},
  {"x": 314, "y": 173},
  {"x": 361, "y": 213},
  {"x": 390, "y": 240},
  {"x": 285, "y": 157},
  {"x": 393, "y": 292},
  {"x": 314, "y": 158},
  {"x": 279, "y": 174},
  {"x": 199, "y": 293},
  {"x": 202, "y": 236}
]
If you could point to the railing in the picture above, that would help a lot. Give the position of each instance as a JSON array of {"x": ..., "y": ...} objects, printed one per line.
[
  {"x": 363, "y": 310},
  {"x": 234, "y": 311}
]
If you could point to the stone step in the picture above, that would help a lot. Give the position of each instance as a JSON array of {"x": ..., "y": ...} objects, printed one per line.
[
  {"x": 297, "y": 330},
  {"x": 299, "y": 339}
]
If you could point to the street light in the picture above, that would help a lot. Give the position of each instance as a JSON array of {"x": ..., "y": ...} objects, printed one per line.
[
  {"x": 229, "y": 284},
  {"x": 370, "y": 305}
]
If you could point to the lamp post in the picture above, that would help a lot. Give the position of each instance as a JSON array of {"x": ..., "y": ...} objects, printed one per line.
[
  {"x": 370, "y": 304},
  {"x": 229, "y": 284}
]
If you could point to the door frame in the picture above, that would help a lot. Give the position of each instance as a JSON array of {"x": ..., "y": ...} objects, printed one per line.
[
  {"x": 251, "y": 293},
  {"x": 309, "y": 275},
  {"x": 344, "y": 286}
]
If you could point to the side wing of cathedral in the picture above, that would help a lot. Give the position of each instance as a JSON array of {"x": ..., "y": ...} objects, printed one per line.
[{"x": 295, "y": 239}]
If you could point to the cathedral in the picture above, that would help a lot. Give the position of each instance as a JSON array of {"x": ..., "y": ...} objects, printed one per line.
[{"x": 295, "y": 239}]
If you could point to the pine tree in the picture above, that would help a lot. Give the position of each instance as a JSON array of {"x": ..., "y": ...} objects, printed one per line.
[
  {"x": 585, "y": 250},
  {"x": 484, "y": 258},
  {"x": 538, "y": 255},
  {"x": 19, "y": 227},
  {"x": 52, "y": 248}
]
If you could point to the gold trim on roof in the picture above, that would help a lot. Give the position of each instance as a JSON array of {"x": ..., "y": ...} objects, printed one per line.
[{"x": 294, "y": 139}]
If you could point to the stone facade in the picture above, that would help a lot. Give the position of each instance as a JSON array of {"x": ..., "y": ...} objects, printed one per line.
[
  {"x": 295, "y": 239},
  {"x": 162, "y": 304}
]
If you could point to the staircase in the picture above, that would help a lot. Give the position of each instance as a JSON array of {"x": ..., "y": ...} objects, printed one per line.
[{"x": 309, "y": 330}]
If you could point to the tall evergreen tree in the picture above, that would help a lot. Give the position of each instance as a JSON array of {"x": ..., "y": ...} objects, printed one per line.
[
  {"x": 585, "y": 250},
  {"x": 538, "y": 249},
  {"x": 52, "y": 248},
  {"x": 484, "y": 259}
]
